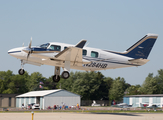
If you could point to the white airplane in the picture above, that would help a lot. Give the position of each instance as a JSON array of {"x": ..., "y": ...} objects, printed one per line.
[
  {"x": 122, "y": 105},
  {"x": 82, "y": 58}
]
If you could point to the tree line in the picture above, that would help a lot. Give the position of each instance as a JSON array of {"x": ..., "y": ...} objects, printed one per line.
[{"x": 90, "y": 85}]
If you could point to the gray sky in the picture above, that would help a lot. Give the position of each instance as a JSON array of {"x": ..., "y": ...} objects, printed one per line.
[{"x": 106, "y": 24}]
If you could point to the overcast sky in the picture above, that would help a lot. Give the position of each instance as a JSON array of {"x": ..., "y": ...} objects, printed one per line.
[{"x": 106, "y": 24}]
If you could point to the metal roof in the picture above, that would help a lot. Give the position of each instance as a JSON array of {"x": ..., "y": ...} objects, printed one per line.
[
  {"x": 38, "y": 93},
  {"x": 152, "y": 95}
]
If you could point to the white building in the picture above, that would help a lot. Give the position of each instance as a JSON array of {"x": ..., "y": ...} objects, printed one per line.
[
  {"x": 48, "y": 98},
  {"x": 137, "y": 99}
]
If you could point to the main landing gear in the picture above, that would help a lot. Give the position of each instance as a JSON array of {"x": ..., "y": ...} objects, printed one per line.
[{"x": 56, "y": 77}]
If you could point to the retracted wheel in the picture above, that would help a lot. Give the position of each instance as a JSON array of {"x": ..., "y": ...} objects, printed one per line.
[
  {"x": 21, "y": 71},
  {"x": 56, "y": 78},
  {"x": 65, "y": 74}
]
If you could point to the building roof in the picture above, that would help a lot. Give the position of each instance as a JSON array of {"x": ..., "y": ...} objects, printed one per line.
[
  {"x": 152, "y": 95},
  {"x": 38, "y": 93}
]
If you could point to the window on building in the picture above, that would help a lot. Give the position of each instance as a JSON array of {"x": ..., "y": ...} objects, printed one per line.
[
  {"x": 94, "y": 54},
  {"x": 84, "y": 52}
]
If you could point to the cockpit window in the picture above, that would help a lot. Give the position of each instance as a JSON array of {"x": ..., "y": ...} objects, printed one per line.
[
  {"x": 55, "y": 47},
  {"x": 44, "y": 45}
]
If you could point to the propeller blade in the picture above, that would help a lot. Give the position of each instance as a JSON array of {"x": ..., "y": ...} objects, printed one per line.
[
  {"x": 28, "y": 50},
  {"x": 28, "y": 55},
  {"x": 30, "y": 43}
]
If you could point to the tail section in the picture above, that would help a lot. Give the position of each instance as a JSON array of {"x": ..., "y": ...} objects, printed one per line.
[{"x": 142, "y": 48}]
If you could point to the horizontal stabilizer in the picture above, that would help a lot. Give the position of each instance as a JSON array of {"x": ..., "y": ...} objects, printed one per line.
[{"x": 139, "y": 61}]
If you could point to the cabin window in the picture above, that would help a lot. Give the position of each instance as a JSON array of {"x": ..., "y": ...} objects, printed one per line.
[
  {"x": 55, "y": 47},
  {"x": 65, "y": 47},
  {"x": 94, "y": 54},
  {"x": 84, "y": 52}
]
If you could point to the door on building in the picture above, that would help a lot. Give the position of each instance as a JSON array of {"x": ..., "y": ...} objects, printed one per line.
[{"x": 38, "y": 100}]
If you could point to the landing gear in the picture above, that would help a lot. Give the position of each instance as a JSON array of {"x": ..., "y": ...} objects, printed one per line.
[
  {"x": 56, "y": 78},
  {"x": 21, "y": 71},
  {"x": 65, "y": 74}
]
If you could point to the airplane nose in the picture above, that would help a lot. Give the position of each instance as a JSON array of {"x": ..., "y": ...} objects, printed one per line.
[
  {"x": 14, "y": 52},
  {"x": 10, "y": 51}
]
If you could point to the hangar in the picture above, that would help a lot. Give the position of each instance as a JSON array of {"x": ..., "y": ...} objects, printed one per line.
[
  {"x": 48, "y": 98},
  {"x": 137, "y": 99}
]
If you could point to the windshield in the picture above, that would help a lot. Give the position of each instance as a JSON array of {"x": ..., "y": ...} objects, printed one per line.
[{"x": 44, "y": 45}]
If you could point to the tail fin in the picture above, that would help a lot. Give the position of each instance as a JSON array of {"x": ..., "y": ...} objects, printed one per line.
[{"x": 142, "y": 48}]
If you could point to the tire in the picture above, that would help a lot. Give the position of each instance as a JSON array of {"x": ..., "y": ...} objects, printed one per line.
[
  {"x": 65, "y": 74},
  {"x": 21, "y": 71},
  {"x": 56, "y": 79}
]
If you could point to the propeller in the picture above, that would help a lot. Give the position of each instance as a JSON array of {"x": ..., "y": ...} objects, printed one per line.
[{"x": 28, "y": 50}]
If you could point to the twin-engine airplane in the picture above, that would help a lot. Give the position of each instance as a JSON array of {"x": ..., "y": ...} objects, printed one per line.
[{"x": 82, "y": 58}]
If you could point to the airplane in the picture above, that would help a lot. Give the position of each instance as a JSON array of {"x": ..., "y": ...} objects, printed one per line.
[
  {"x": 80, "y": 57},
  {"x": 122, "y": 105},
  {"x": 150, "y": 106}
]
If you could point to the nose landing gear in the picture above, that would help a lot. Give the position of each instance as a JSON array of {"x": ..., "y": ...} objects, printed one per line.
[{"x": 21, "y": 71}]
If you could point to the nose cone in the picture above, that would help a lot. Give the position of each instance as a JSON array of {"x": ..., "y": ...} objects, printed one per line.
[
  {"x": 16, "y": 52},
  {"x": 12, "y": 51}
]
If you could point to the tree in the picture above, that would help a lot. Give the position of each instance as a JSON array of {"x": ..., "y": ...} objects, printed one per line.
[
  {"x": 159, "y": 79},
  {"x": 133, "y": 90},
  {"x": 5, "y": 79},
  {"x": 88, "y": 85},
  {"x": 117, "y": 89},
  {"x": 33, "y": 82},
  {"x": 150, "y": 85}
]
